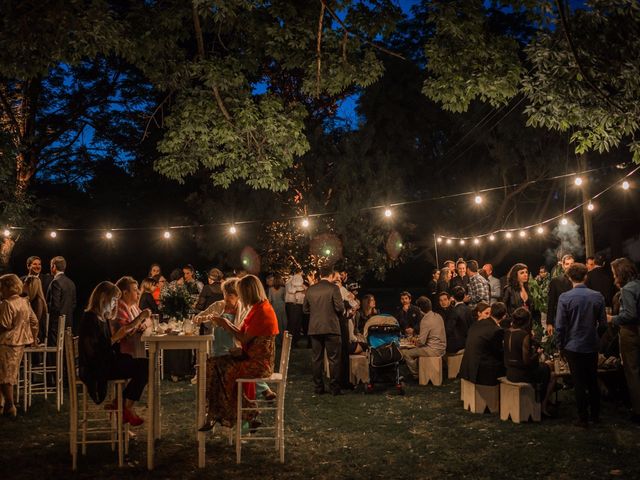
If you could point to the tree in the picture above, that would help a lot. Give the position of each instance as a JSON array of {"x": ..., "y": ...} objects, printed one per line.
[{"x": 575, "y": 68}]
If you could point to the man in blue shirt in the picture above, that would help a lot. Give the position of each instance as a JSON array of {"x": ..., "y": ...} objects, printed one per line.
[{"x": 580, "y": 312}]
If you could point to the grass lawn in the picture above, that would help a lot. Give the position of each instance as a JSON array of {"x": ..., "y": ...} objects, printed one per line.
[{"x": 424, "y": 434}]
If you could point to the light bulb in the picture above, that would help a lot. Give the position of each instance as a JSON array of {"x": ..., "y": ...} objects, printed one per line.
[
  {"x": 6, "y": 232},
  {"x": 590, "y": 207},
  {"x": 167, "y": 235},
  {"x": 305, "y": 222},
  {"x": 448, "y": 241},
  {"x": 387, "y": 212},
  {"x": 492, "y": 237},
  {"x": 462, "y": 242},
  {"x": 508, "y": 235},
  {"x": 232, "y": 230},
  {"x": 522, "y": 233},
  {"x": 540, "y": 230},
  {"x": 476, "y": 241},
  {"x": 578, "y": 181},
  {"x": 108, "y": 235},
  {"x": 53, "y": 234},
  {"x": 625, "y": 185},
  {"x": 439, "y": 239},
  {"x": 327, "y": 252},
  {"x": 478, "y": 199},
  {"x": 564, "y": 221}
]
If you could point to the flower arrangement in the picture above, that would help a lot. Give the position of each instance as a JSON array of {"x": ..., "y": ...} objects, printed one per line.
[{"x": 175, "y": 301}]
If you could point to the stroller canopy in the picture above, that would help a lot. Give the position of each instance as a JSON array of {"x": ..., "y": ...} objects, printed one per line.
[{"x": 380, "y": 320}]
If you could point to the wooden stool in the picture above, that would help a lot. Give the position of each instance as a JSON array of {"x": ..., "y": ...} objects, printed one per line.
[
  {"x": 358, "y": 369},
  {"x": 518, "y": 401},
  {"x": 430, "y": 370},
  {"x": 454, "y": 360},
  {"x": 479, "y": 398}
]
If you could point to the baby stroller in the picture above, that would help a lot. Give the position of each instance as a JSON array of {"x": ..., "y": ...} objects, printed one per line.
[{"x": 382, "y": 333}]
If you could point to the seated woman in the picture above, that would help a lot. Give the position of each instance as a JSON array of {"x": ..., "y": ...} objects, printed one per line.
[
  {"x": 257, "y": 335},
  {"x": 100, "y": 359},
  {"x": 432, "y": 340},
  {"x": 35, "y": 295},
  {"x": 521, "y": 360},
  {"x": 147, "y": 287},
  {"x": 365, "y": 312},
  {"x": 18, "y": 327}
]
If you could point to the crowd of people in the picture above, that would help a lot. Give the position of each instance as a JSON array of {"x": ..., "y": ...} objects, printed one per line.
[{"x": 464, "y": 308}]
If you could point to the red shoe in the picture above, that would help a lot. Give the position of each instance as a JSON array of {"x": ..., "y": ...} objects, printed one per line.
[
  {"x": 131, "y": 418},
  {"x": 111, "y": 407}
]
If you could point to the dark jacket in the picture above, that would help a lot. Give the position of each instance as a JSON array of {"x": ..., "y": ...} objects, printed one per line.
[
  {"x": 95, "y": 355},
  {"x": 456, "y": 326},
  {"x": 459, "y": 281},
  {"x": 409, "y": 319},
  {"x": 147, "y": 301},
  {"x": 600, "y": 279},
  {"x": 557, "y": 287},
  {"x": 210, "y": 294},
  {"x": 512, "y": 299},
  {"x": 483, "y": 360},
  {"x": 61, "y": 298},
  {"x": 325, "y": 307}
]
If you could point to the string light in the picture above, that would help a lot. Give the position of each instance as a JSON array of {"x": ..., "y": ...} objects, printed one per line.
[
  {"x": 327, "y": 252},
  {"x": 462, "y": 242},
  {"x": 108, "y": 235},
  {"x": 540, "y": 230},
  {"x": 578, "y": 181},
  {"x": 305, "y": 223},
  {"x": 6, "y": 232},
  {"x": 564, "y": 221},
  {"x": 522, "y": 233},
  {"x": 508, "y": 235},
  {"x": 492, "y": 237},
  {"x": 439, "y": 239},
  {"x": 233, "y": 230},
  {"x": 167, "y": 235},
  {"x": 476, "y": 241},
  {"x": 590, "y": 207},
  {"x": 448, "y": 241},
  {"x": 388, "y": 212},
  {"x": 53, "y": 234},
  {"x": 625, "y": 185},
  {"x": 478, "y": 199}
]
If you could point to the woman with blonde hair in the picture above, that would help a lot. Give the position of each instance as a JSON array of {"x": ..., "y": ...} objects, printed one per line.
[
  {"x": 18, "y": 327},
  {"x": 100, "y": 359},
  {"x": 256, "y": 335},
  {"x": 33, "y": 290}
]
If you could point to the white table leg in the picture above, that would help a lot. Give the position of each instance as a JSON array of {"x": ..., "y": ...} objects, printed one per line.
[
  {"x": 202, "y": 395},
  {"x": 151, "y": 415}
]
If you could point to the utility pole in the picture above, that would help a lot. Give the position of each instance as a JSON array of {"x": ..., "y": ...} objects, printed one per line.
[{"x": 587, "y": 217}]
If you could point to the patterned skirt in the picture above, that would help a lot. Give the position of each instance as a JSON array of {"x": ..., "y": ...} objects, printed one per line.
[
  {"x": 10, "y": 358},
  {"x": 222, "y": 373}
]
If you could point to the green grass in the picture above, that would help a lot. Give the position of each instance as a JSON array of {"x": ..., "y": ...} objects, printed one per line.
[{"x": 424, "y": 434}]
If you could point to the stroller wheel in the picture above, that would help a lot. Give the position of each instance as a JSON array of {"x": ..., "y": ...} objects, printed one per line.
[
  {"x": 400, "y": 389},
  {"x": 369, "y": 388}
]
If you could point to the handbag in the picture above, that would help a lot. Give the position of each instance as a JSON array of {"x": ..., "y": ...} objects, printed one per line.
[{"x": 385, "y": 355}]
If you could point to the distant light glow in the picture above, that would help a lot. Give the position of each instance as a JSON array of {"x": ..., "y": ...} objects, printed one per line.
[
  {"x": 53, "y": 234},
  {"x": 439, "y": 239},
  {"x": 6, "y": 232},
  {"x": 167, "y": 235},
  {"x": 522, "y": 233},
  {"x": 540, "y": 230},
  {"x": 564, "y": 221},
  {"x": 448, "y": 241},
  {"x": 625, "y": 185},
  {"x": 327, "y": 252},
  {"x": 462, "y": 242},
  {"x": 492, "y": 237},
  {"x": 508, "y": 235},
  {"x": 476, "y": 241},
  {"x": 108, "y": 235},
  {"x": 305, "y": 223},
  {"x": 590, "y": 207},
  {"x": 578, "y": 181},
  {"x": 478, "y": 199},
  {"x": 388, "y": 212},
  {"x": 233, "y": 230}
]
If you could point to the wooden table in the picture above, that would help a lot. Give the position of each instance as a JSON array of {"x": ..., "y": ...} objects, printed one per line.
[{"x": 201, "y": 344}]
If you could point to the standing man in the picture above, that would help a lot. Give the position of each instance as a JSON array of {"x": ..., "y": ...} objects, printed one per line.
[
  {"x": 580, "y": 312},
  {"x": 61, "y": 299},
  {"x": 558, "y": 286},
  {"x": 458, "y": 322},
  {"x": 494, "y": 283},
  {"x": 325, "y": 307},
  {"x": 600, "y": 280},
  {"x": 34, "y": 269},
  {"x": 408, "y": 315},
  {"x": 432, "y": 286},
  {"x": 479, "y": 288},
  {"x": 294, "y": 298}
]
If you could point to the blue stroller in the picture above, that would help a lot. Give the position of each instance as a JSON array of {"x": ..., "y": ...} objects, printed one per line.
[{"x": 383, "y": 333}]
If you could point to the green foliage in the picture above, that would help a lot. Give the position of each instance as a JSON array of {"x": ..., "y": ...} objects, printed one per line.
[
  {"x": 539, "y": 292},
  {"x": 175, "y": 301}
]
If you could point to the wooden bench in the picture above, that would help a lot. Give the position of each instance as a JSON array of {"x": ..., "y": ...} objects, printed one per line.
[
  {"x": 358, "y": 369},
  {"x": 454, "y": 361},
  {"x": 518, "y": 401},
  {"x": 480, "y": 398},
  {"x": 430, "y": 370}
]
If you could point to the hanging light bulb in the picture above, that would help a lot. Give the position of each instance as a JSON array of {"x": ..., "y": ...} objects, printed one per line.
[
  {"x": 564, "y": 221},
  {"x": 388, "y": 212},
  {"x": 476, "y": 241},
  {"x": 591, "y": 207},
  {"x": 462, "y": 242},
  {"x": 578, "y": 181},
  {"x": 522, "y": 233},
  {"x": 625, "y": 185},
  {"x": 439, "y": 239},
  {"x": 540, "y": 230},
  {"x": 305, "y": 223},
  {"x": 108, "y": 235},
  {"x": 478, "y": 199},
  {"x": 6, "y": 233},
  {"x": 492, "y": 237},
  {"x": 167, "y": 235},
  {"x": 448, "y": 241},
  {"x": 508, "y": 235},
  {"x": 233, "y": 230},
  {"x": 53, "y": 234}
]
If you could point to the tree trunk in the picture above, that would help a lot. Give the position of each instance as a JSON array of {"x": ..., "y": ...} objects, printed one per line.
[{"x": 6, "y": 249}]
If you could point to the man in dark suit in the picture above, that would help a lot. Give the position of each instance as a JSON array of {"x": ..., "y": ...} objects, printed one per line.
[
  {"x": 557, "y": 287},
  {"x": 483, "y": 360},
  {"x": 600, "y": 279},
  {"x": 458, "y": 322},
  {"x": 323, "y": 303},
  {"x": 61, "y": 298}
]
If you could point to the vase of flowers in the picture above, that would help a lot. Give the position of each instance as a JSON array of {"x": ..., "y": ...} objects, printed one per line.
[{"x": 175, "y": 302}]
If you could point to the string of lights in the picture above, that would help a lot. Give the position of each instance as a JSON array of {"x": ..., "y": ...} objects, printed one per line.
[{"x": 305, "y": 220}]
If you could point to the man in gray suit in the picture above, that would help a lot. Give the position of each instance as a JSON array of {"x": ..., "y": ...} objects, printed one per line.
[
  {"x": 323, "y": 302},
  {"x": 61, "y": 298}
]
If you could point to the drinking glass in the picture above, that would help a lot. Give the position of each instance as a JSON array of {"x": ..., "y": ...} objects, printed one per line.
[{"x": 155, "y": 318}]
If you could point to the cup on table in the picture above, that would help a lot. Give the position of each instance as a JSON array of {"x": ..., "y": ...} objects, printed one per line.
[{"x": 155, "y": 319}]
